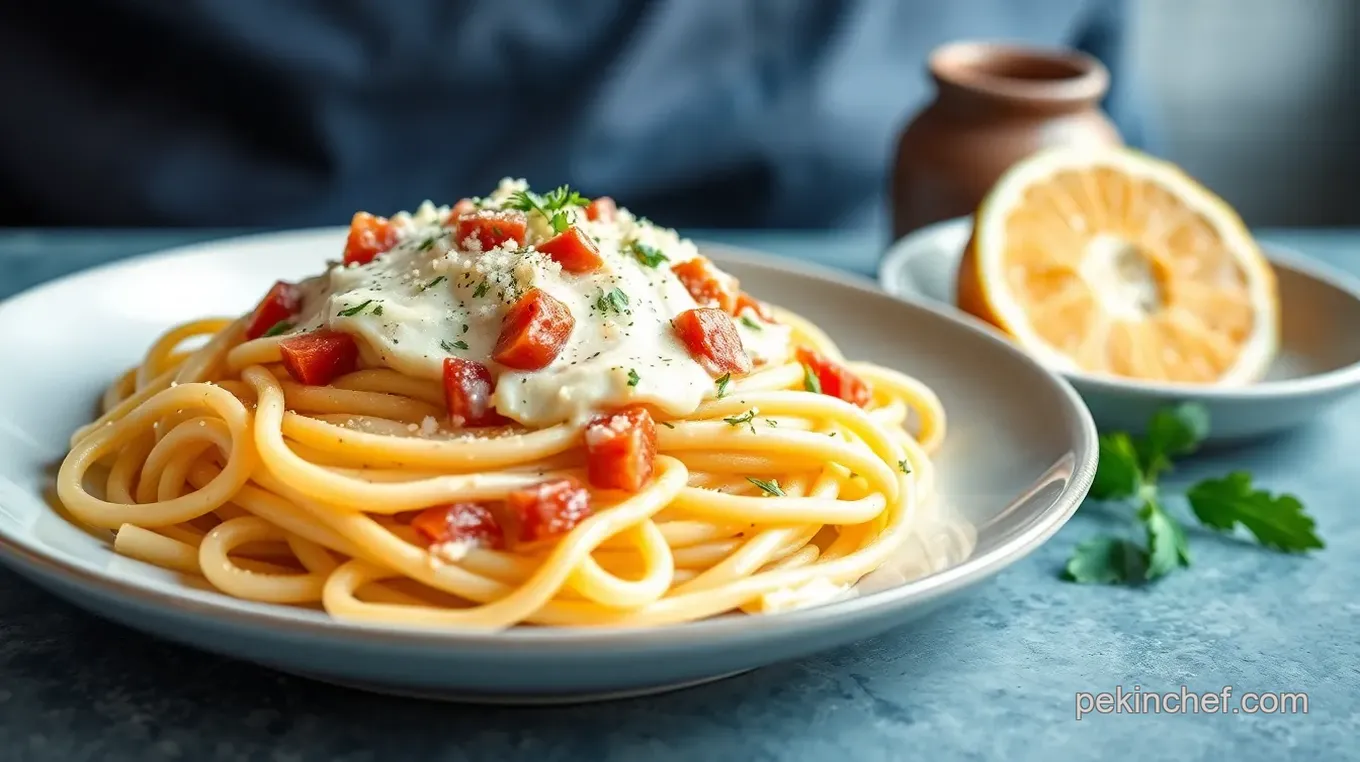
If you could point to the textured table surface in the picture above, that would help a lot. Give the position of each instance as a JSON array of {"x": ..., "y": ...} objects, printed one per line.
[{"x": 993, "y": 677}]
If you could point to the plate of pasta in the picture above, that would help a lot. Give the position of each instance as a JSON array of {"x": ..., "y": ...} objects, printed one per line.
[{"x": 526, "y": 447}]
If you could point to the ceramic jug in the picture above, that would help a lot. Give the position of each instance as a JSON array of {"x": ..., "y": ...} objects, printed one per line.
[{"x": 994, "y": 104}]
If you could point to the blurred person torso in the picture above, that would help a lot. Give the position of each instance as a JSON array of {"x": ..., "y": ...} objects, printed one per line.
[{"x": 775, "y": 113}]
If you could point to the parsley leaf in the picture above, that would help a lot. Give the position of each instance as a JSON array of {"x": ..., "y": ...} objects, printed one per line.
[
  {"x": 723, "y": 382},
  {"x": 1118, "y": 474},
  {"x": 377, "y": 310},
  {"x": 667, "y": 424},
  {"x": 551, "y": 205},
  {"x": 1277, "y": 521},
  {"x": 749, "y": 323},
  {"x": 904, "y": 466},
  {"x": 482, "y": 288},
  {"x": 283, "y": 326},
  {"x": 633, "y": 377},
  {"x": 615, "y": 301},
  {"x": 1106, "y": 561},
  {"x": 563, "y": 196},
  {"x": 428, "y": 243},
  {"x": 433, "y": 283},
  {"x": 770, "y": 487},
  {"x": 810, "y": 381},
  {"x": 356, "y": 309},
  {"x": 1167, "y": 546},
  {"x": 1171, "y": 433},
  {"x": 744, "y": 418},
  {"x": 647, "y": 255},
  {"x": 1128, "y": 470},
  {"x": 449, "y": 347}
]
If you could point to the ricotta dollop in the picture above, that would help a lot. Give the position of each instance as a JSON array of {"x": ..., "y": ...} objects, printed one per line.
[{"x": 432, "y": 297}]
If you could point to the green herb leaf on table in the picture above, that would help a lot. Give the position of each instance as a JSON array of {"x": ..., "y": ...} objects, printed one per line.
[
  {"x": 1168, "y": 549},
  {"x": 1118, "y": 474},
  {"x": 1106, "y": 561},
  {"x": 1277, "y": 522},
  {"x": 1128, "y": 471},
  {"x": 1172, "y": 432}
]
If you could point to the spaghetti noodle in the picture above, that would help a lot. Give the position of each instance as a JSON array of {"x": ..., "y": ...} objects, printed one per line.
[{"x": 435, "y": 457}]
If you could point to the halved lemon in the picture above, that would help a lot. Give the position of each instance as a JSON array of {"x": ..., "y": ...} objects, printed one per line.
[{"x": 1108, "y": 261}]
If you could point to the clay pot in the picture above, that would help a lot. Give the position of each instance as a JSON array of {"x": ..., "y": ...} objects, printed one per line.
[{"x": 994, "y": 104}]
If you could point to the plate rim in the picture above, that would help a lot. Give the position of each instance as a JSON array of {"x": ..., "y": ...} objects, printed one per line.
[
  {"x": 892, "y": 274},
  {"x": 31, "y": 560}
]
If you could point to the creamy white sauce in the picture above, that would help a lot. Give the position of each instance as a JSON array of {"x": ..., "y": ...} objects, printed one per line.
[{"x": 431, "y": 297}]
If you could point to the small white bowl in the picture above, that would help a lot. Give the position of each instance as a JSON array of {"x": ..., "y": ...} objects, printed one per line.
[{"x": 1318, "y": 364}]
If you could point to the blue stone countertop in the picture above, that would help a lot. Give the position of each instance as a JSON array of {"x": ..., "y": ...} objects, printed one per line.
[{"x": 994, "y": 676}]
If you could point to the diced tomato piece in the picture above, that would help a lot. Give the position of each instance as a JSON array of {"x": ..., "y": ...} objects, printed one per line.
[
  {"x": 835, "y": 379},
  {"x": 318, "y": 357},
  {"x": 621, "y": 449},
  {"x": 467, "y": 390},
  {"x": 492, "y": 228},
  {"x": 464, "y": 206},
  {"x": 712, "y": 340},
  {"x": 709, "y": 286},
  {"x": 279, "y": 304},
  {"x": 465, "y": 522},
  {"x": 533, "y": 331},
  {"x": 369, "y": 236},
  {"x": 574, "y": 250},
  {"x": 747, "y": 302},
  {"x": 550, "y": 509},
  {"x": 601, "y": 209}
]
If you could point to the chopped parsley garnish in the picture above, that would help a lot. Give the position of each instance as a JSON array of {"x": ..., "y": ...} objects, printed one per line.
[
  {"x": 482, "y": 288},
  {"x": 616, "y": 301},
  {"x": 428, "y": 243},
  {"x": 770, "y": 487},
  {"x": 904, "y": 466},
  {"x": 1127, "y": 472},
  {"x": 449, "y": 347},
  {"x": 810, "y": 381},
  {"x": 744, "y": 418},
  {"x": 465, "y": 328},
  {"x": 377, "y": 310},
  {"x": 647, "y": 255},
  {"x": 723, "y": 384},
  {"x": 772, "y": 423},
  {"x": 749, "y": 323},
  {"x": 633, "y": 377},
  {"x": 356, "y": 309},
  {"x": 283, "y": 326},
  {"x": 551, "y": 205},
  {"x": 433, "y": 283},
  {"x": 667, "y": 424}
]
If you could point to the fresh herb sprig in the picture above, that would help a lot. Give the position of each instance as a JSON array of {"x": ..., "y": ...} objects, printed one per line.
[
  {"x": 1128, "y": 471},
  {"x": 552, "y": 205}
]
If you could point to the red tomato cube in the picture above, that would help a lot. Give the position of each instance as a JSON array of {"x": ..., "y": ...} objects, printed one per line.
[
  {"x": 533, "y": 331},
  {"x": 369, "y": 236},
  {"x": 574, "y": 250},
  {"x": 281, "y": 303},
  {"x": 621, "y": 449},
  {"x": 835, "y": 379},
  {"x": 318, "y": 357},
  {"x": 492, "y": 228},
  {"x": 468, "y": 387},
  {"x": 550, "y": 509},
  {"x": 712, "y": 340}
]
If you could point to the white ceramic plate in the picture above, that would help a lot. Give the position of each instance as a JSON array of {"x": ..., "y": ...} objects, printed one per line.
[
  {"x": 1318, "y": 364},
  {"x": 1019, "y": 458}
]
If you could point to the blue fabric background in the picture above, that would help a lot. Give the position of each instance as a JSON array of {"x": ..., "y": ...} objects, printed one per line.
[{"x": 700, "y": 112}]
